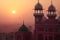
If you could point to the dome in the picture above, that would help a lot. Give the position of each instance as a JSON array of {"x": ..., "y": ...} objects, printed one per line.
[
  {"x": 23, "y": 28},
  {"x": 38, "y": 6},
  {"x": 51, "y": 8}
]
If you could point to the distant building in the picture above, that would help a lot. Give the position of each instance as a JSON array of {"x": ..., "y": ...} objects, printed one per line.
[
  {"x": 11, "y": 36},
  {"x": 2, "y": 36},
  {"x": 23, "y": 33},
  {"x": 48, "y": 29},
  {"x": 45, "y": 28}
]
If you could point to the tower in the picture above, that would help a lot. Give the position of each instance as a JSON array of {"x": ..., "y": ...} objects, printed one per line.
[
  {"x": 38, "y": 13},
  {"x": 51, "y": 12}
]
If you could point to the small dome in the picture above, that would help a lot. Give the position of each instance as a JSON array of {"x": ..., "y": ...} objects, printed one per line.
[
  {"x": 23, "y": 28},
  {"x": 51, "y": 8},
  {"x": 38, "y": 6}
]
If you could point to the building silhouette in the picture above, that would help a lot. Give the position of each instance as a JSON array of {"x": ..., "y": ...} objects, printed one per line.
[{"x": 45, "y": 28}]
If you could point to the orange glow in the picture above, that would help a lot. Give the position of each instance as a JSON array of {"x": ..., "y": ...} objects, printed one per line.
[
  {"x": 23, "y": 10},
  {"x": 13, "y": 12}
]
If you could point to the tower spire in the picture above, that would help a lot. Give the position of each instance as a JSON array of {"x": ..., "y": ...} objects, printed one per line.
[
  {"x": 38, "y": 1},
  {"x": 23, "y": 22},
  {"x": 51, "y": 2}
]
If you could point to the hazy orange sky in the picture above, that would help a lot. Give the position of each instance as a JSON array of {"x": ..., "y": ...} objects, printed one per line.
[{"x": 24, "y": 11}]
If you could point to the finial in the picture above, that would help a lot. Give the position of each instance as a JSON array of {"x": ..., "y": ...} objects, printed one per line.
[
  {"x": 23, "y": 22},
  {"x": 38, "y": 1},
  {"x": 51, "y": 2}
]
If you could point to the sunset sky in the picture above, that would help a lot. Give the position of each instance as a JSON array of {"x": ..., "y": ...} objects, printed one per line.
[{"x": 13, "y": 12}]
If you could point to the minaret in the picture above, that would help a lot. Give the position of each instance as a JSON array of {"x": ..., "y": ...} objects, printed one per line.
[
  {"x": 38, "y": 12},
  {"x": 51, "y": 12}
]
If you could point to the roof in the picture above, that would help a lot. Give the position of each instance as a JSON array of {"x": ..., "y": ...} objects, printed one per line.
[
  {"x": 23, "y": 28},
  {"x": 51, "y": 8},
  {"x": 38, "y": 6}
]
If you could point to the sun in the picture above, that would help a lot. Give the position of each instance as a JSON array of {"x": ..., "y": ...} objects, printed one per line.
[{"x": 13, "y": 12}]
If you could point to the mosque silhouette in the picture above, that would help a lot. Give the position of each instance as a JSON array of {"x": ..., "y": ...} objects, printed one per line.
[{"x": 45, "y": 28}]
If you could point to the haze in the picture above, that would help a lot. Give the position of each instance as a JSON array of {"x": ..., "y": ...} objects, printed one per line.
[{"x": 24, "y": 11}]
